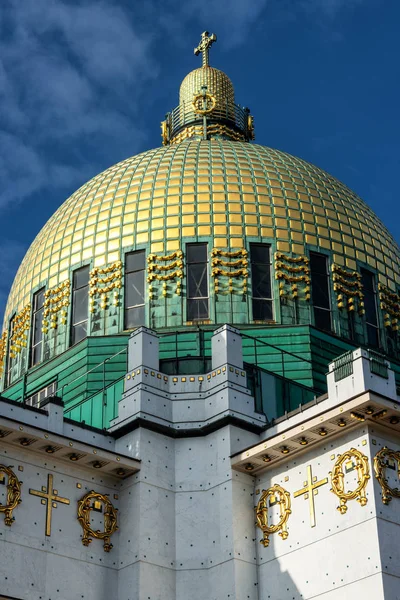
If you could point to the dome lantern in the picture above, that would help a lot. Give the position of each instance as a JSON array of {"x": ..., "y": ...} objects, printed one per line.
[{"x": 207, "y": 107}]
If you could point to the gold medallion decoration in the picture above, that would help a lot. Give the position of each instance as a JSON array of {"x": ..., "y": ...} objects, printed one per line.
[
  {"x": 171, "y": 271},
  {"x": 203, "y": 103},
  {"x": 237, "y": 278},
  {"x": 56, "y": 301},
  {"x": 94, "y": 501},
  {"x": 3, "y": 349},
  {"x": 103, "y": 281},
  {"x": 13, "y": 494},
  {"x": 390, "y": 304},
  {"x": 381, "y": 461},
  {"x": 19, "y": 338},
  {"x": 273, "y": 494},
  {"x": 293, "y": 270},
  {"x": 351, "y": 459},
  {"x": 348, "y": 288}
]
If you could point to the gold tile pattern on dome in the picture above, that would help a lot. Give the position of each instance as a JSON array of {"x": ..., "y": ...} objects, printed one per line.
[
  {"x": 229, "y": 189},
  {"x": 218, "y": 84}
]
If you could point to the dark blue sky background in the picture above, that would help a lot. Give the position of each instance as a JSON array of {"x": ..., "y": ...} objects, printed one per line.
[{"x": 85, "y": 83}]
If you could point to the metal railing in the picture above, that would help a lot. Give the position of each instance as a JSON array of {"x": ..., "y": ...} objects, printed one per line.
[
  {"x": 77, "y": 381},
  {"x": 184, "y": 115}
]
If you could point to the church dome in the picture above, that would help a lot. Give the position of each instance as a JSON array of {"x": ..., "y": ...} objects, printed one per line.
[
  {"x": 225, "y": 193},
  {"x": 207, "y": 229}
]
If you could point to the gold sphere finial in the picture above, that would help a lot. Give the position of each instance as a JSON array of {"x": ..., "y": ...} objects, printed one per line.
[{"x": 204, "y": 46}]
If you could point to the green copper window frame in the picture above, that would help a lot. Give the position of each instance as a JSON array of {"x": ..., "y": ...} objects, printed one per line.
[
  {"x": 10, "y": 361},
  {"x": 198, "y": 290},
  {"x": 134, "y": 289},
  {"x": 36, "y": 348},
  {"x": 368, "y": 280},
  {"x": 261, "y": 282},
  {"x": 80, "y": 303},
  {"x": 320, "y": 291}
]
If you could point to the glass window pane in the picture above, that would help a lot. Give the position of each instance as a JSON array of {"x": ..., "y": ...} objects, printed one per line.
[
  {"x": 367, "y": 279},
  {"x": 261, "y": 281},
  {"x": 197, "y": 309},
  {"x": 79, "y": 332},
  {"x": 320, "y": 290},
  {"x": 197, "y": 281},
  {"x": 262, "y": 310},
  {"x": 135, "y": 261},
  {"x": 322, "y": 319},
  {"x": 318, "y": 263},
  {"x": 134, "y": 317},
  {"x": 373, "y": 336},
  {"x": 81, "y": 277},
  {"x": 196, "y": 253},
  {"x": 260, "y": 253},
  {"x": 134, "y": 289},
  {"x": 80, "y": 305},
  {"x": 38, "y": 300},
  {"x": 37, "y": 326},
  {"x": 37, "y": 354}
]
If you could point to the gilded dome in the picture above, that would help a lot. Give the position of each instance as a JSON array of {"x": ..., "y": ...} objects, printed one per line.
[
  {"x": 217, "y": 82},
  {"x": 218, "y": 191}
]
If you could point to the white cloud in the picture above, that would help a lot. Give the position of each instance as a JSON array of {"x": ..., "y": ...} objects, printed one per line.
[{"x": 66, "y": 71}]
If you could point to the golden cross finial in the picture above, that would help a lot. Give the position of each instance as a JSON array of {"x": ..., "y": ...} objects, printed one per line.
[
  {"x": 310, "y": 490},
  {"x": 204, "y": 46},
  {"x": 50, "y": 497}
]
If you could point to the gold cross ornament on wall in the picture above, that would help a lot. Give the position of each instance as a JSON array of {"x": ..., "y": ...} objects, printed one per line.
[
  {"x": 49, "y": 497},
  {"x": 310, "y": 490}
]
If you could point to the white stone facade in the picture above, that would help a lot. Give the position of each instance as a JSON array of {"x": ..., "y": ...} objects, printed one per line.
[{"x": 184, "y": 464}]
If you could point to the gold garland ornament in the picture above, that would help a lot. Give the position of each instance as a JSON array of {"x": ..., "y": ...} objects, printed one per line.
[
  {"x": 381, "y": 460},
  {"x": 204, "y": 103},
  {"x": 19, "y": 338},
  {"x": 348, "y": 288},
  {"x": 94, "y": 501},
  {"x": 103, "y": 281},
  {"x": 286, "y": 274},
  {"x": 278, "y": 494},
  {"x": 239, "y": 287},
  {"x": 337, "y": 478},
  {"x": 13, "y": 494},
  {"x": 390, "y": 303},
  {"x": 217, "y": 252},
  {"x": 56, "y": 301},
  {"x": 155, "y": 271},
  {"x": 3, "y": 350}
]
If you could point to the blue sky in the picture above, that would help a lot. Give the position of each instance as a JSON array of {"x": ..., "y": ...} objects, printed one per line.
[{"x": 85, "y": 84}]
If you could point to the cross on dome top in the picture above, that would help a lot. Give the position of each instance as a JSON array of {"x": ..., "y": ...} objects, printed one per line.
[{"x": 204, "y": 46}]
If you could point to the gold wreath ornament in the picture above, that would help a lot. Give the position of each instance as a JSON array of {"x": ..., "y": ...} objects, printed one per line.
[
  {"x": 337, "y": 478},
  {"x": 380, "y": 464},
  {"x": 13, "y": 494},
  {"x": 280, "y": 495},
  {"x": 208, "y": 106},
  {"x": 94, "y": 501}
]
